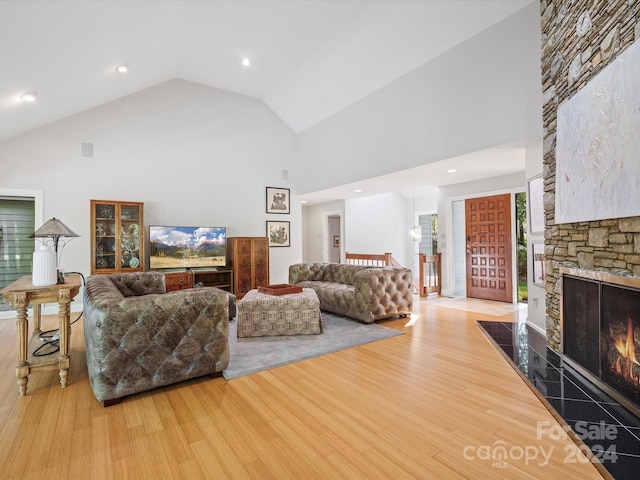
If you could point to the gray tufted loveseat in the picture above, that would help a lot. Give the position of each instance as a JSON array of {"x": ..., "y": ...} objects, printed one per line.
[
  {"x": 361, "y": 292},
  {"x": 138, "y": 337}
]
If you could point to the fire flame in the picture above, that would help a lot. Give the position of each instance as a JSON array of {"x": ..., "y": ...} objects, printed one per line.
[{"x": 626, "y": 350}]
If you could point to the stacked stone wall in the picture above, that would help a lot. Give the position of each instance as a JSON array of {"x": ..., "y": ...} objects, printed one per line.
[{"x": 579, "y": 39}]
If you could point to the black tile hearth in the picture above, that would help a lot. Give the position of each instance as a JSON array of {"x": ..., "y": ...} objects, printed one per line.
[{"x": 611, "y": 431}]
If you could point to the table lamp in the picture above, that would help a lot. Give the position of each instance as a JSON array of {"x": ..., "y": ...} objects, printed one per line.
[{"x": 43, "y": 259}]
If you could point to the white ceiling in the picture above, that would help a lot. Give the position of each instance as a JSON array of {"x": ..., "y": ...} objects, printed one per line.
[
  {"x": 421, "y": 181},
  {"x": 309, "y": 59}
]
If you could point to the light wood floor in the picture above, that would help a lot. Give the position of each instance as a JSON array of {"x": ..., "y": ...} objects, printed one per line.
[{"x": 426, "y": 404}]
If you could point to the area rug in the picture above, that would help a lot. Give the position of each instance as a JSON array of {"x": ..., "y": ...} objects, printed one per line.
[{"x": 255, "y": 354}]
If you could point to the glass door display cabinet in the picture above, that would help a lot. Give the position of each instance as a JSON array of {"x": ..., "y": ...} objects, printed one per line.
[{"x": 117, "y": 238}]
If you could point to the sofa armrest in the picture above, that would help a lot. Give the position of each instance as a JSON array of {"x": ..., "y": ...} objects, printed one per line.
[{"x": 384, "y": 291}]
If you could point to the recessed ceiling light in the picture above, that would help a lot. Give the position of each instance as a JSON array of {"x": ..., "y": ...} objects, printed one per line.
[
  {"x": 452, "y": 170},
  {"x": 246, "y": 61},
  {"x": 303, "y": 201},
  {"x": 122, "y": 69},
  {"x": 29, "y": 96},
  {"x": 357, "y": 190}
]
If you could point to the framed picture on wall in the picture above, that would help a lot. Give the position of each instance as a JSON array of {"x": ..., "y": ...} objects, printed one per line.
[
  {"x": 278, "y": 233},
  {"x": 538, "y": 263},
  {"x": 536, "y": 206},
  {"x": 278, "y": 200},
  {"x": 336, "y": 241}
]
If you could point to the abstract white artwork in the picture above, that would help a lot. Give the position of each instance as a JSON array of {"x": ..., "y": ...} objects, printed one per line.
[{"x": 598, "y": 145}]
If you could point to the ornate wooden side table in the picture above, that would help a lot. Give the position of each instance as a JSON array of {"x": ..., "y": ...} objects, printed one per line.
[{"x": 20, "y": 294}]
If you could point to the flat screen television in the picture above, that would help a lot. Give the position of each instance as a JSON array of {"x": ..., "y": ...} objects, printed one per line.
[{"x": 187, "y": 247}]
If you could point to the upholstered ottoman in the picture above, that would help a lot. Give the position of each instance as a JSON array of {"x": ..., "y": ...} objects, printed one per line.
[{"x": 261, "y": 314}]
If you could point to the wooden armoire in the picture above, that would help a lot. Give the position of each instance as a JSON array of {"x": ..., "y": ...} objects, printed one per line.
[{"x": 248, "y": 257}]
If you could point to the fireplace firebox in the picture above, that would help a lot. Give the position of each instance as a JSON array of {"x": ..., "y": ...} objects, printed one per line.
[
  {"x": 620, "y": 340},
  {"x": 601, "y": 330}
]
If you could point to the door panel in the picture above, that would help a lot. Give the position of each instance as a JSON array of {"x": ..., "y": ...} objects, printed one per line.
[
  {"x": 260, "y": 262},
  {"x": 243, "y": 270},
  {"x": 488, "y": 227}
]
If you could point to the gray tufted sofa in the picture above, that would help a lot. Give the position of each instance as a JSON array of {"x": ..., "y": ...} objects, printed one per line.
[
  {"x": 138, "y": 337},
  {"x": 362, "y": 292}
]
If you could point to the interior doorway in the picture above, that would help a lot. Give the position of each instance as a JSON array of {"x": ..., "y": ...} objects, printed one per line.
[
  {"x": 333, "y": 239},
  {"x": 428, "y": 244}
]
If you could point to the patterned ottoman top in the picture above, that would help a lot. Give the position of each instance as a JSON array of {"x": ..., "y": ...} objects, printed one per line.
[
  {"x": 261, "y": 314},
  {"x": 254, "y": 298}
]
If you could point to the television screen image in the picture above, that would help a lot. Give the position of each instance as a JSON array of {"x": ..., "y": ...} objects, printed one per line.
[{"x": 187, "y": 247}]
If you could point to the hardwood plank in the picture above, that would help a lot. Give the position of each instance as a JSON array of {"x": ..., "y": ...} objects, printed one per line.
[{"x": 100, "y": 445}]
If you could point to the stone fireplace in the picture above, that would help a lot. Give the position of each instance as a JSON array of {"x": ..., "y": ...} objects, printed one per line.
[
  {"x": 600, "y": 319},
  {"x": 580, "y": 39}
]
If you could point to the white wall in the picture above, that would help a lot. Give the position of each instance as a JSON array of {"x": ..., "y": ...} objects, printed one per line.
[
  {"x": 536, "y": 312},
  {"x": 484, "y": 93},
  {"x": 427, "y": 204},
  {"x": 378, "y": 224},
  {"x": 373, "y": 224},
  {"x": 456, "y": 251},
  {"x": 193, "y": 154},
  {"x": 316, "y": 232}
]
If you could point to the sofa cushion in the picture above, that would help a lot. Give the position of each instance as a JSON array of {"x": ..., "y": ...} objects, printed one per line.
[
  {"x": 139, "y": 283},
  {"x": 306, "y": 271},
  {"x": 341, "y": 273},
  {"x": 335, "y": 297}
]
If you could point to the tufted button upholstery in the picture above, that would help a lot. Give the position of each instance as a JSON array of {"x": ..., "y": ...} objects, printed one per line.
[
  {"x": 139, "y": 283},
  {"x": 362, "y": 292},
  {"x": 137, "y": 337}
]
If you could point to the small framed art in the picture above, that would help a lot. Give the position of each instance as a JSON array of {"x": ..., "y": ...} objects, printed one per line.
[
  {"x": 278, "y": 200},
  {"x": 336, "y": 241},
  {"x": 538, "y": 263},
  {"x": 278, "y": 233},
  {"x": 536, "y": 205}
]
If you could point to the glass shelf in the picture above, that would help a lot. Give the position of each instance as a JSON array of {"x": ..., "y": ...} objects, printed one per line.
[{"x": 117, "y": 237}]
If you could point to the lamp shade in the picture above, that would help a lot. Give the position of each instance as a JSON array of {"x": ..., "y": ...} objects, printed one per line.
[{"x": 55, "y": 229}]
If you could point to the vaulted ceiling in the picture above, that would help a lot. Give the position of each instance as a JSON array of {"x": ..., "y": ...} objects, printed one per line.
[{"x": 309, "y": 58}]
